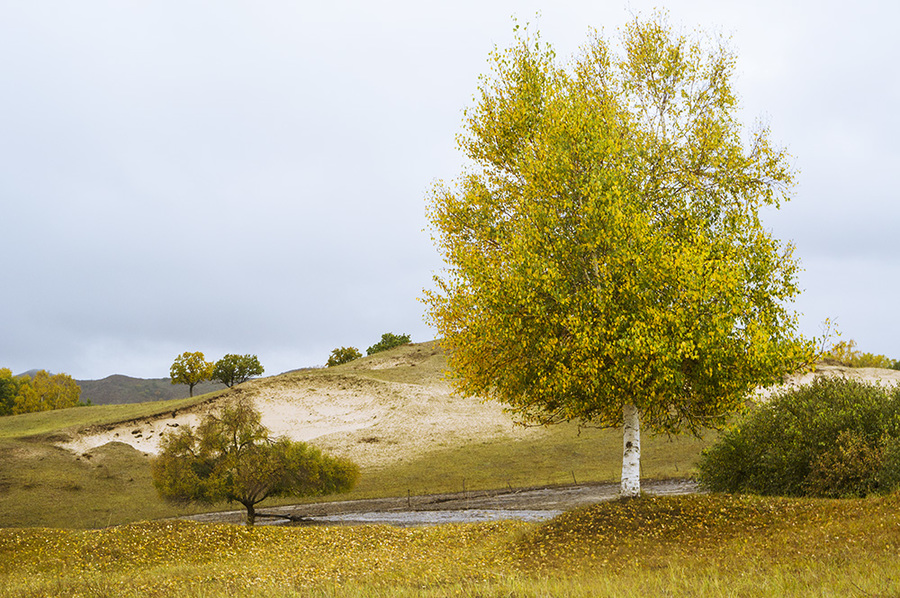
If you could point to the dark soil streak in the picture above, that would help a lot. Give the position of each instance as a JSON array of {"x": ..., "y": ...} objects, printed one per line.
[{"x": 550, "y": 498}]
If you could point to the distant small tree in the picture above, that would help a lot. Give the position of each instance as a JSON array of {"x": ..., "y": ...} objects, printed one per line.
[
  {"x": 191, "y": 369},
  {"x": 235, "y": 369},
  {"x": 230, "y": 457},
  {"x": 343, "y": 355},
  {"x": 46, "y": 391},
  {"x": 388, "y": 341}
]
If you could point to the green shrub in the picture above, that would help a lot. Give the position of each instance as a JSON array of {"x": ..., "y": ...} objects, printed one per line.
[
  {"x": 343, "y": 355},
  {"x": 834, "y": 437},
  {"x": 388, "y": 340},
  {"x": 889, "y": 476},
  {"x": 9, "y": 388},
  {"x": 848, "y": 469}
]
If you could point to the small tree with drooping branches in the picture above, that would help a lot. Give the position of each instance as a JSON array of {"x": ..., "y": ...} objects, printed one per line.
[{"x": 231, "y": 457}]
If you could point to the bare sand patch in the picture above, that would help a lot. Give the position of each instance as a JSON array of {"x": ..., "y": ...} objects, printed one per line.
[
  {"x": 144, "y": 436},
  {"x": 377, "y": 410},
  {"x": 889, "y": 378},
  {"x": 368, "y": 420}
]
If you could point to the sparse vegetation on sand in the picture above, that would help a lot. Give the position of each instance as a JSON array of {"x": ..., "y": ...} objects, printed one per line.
[
  {"x": 845, "y": 353},
  {"x": 705, "y": 545}
]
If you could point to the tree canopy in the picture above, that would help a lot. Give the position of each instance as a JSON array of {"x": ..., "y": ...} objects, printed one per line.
[
  {"x": 9, "y": 388},
  {"x": 235, "y": 369},
  {"x": 191, "y": 369},
  {"x": 231, "y": 457},
  {"x": 606, "y": 259}
]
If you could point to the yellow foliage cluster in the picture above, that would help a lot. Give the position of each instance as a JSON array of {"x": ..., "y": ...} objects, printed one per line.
[
  {"x": 605, "y": 247},
  {"x": 845, "y": 353},
  {"x": 43, "y": 392}
]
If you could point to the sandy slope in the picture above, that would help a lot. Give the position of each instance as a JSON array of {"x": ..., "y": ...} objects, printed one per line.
[
  {"x": 871, "y": 375},
  {"x": 377, "y": 410}
]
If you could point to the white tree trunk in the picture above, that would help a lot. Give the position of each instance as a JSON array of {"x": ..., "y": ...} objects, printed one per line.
[{"x": 631, "y": 457}]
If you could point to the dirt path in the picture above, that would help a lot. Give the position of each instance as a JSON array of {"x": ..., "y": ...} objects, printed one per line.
[{"x": 525, "y": 503}]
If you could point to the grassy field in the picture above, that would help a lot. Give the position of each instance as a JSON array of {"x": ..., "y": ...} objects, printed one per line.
[
  {"x": 706, "y": 545},
  {"x": 43, "y": 485},
  {"x": 562, "y": 456}
]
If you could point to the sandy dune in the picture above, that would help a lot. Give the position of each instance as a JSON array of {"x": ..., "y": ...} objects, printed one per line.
[
  {"x": 376, "y": 411},
  {"x": 368, "y": 412}
]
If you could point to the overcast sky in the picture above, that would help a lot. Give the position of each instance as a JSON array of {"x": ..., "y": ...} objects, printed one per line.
[{"x": 249, "y": 177}]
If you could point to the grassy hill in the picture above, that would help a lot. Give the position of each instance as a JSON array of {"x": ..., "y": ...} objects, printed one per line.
[{"x": 393, "y": 413}]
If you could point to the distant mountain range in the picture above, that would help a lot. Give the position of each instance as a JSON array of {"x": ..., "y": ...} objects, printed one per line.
[
  {"x": 30, "y": 373},
  {"x": 118, "y": 389}
]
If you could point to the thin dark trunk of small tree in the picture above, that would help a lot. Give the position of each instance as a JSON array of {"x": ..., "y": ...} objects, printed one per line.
[{"x": 251, "y": 514}]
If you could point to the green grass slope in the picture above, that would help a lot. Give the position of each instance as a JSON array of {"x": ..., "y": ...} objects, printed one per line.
[{"x": 42, "y": 484}]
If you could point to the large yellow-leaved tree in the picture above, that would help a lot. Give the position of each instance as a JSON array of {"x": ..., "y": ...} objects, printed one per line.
[{"x": 605, "y": 258}]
